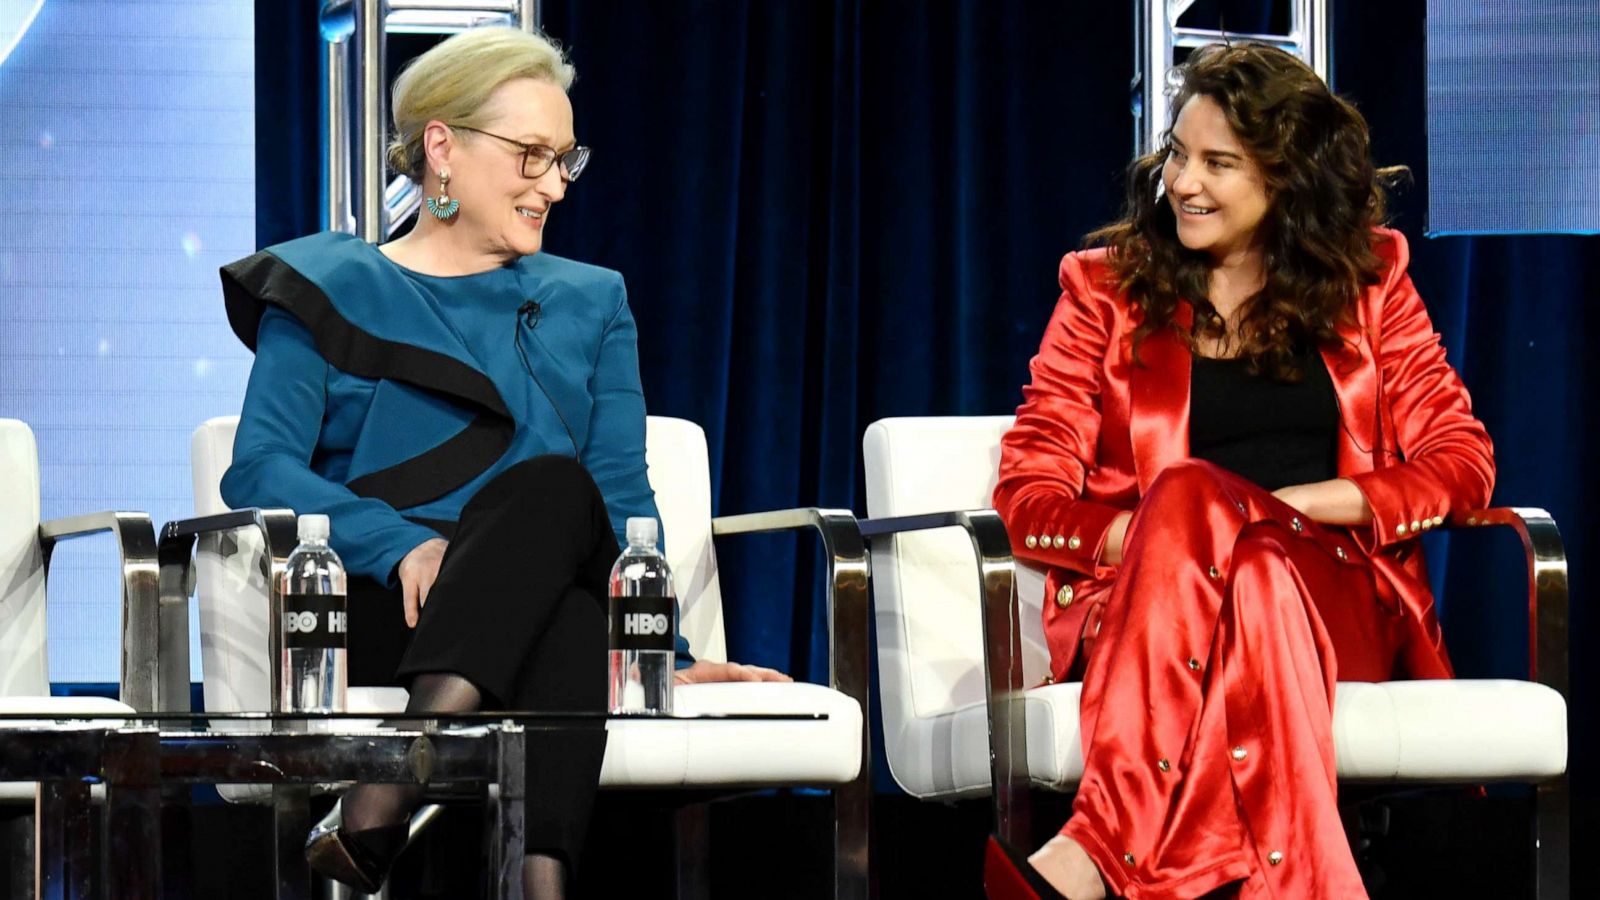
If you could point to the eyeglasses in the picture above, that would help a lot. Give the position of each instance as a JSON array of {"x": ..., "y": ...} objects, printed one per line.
[{"x": 537, "y": 158}]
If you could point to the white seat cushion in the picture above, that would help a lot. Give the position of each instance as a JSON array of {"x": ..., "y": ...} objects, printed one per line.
[
  {"x": 739, "y": 754},
  {"x": 55, "y": 713},
  {"x": 1398, "y": 731},
  {"x": 376, "y": 699},
  {"x": 1466, "y": 730},
  {"x": 690, "y": 754}
]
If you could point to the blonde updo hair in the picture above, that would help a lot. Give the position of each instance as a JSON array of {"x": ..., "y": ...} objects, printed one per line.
[{"x": 453, "y": 81}]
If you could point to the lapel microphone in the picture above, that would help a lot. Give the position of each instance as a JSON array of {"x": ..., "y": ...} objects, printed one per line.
[{"x": 528, "y": 312}]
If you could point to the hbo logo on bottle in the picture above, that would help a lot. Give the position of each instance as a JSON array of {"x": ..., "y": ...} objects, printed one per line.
[
  {"x": 644, "y": 623},
  {"x": 306, "y": 622}
]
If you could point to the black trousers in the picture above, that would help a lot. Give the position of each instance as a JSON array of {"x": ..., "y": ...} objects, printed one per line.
[{"x": 518, "y": 610}]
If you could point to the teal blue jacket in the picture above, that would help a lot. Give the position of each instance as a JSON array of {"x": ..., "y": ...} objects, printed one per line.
[{"x": 380, "y": 400}]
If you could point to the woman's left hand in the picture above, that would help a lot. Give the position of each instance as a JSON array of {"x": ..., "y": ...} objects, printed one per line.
[
  {"x": 704, "y": 670},
  {"x": 1334, "y": 502}
]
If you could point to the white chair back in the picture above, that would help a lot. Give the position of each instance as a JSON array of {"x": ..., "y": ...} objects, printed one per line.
[
  {"x": 23, "y": 662},
  {"x": 232, "y": 592},
  {"x": 925, "y": 583},
  {"x": 231, "y": 585},
  {"x": 927, "y": 598},
  {"x": 680, "y": 474}
]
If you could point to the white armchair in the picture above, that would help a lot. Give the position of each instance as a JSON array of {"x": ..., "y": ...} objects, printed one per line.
[
  {"x": 966, "y": 712},
  {"x": 831, "y": 752},
  {"x": 25, "y": 549}
]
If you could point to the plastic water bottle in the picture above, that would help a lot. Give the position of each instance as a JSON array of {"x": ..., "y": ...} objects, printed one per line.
[
  {"x": 644, "y": 625},
  {"x": 315, "y": 635}
]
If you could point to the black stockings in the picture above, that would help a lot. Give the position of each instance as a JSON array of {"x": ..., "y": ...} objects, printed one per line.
[{"x": 368, "y": 806}]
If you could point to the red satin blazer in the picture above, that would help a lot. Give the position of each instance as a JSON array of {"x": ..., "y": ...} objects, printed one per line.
[{"x": 1095, "y": 428}]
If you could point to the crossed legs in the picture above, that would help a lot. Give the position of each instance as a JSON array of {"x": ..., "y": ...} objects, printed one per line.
[
  {"x": 1207, "y": 704},
  {"x": 515, "y": 620}
]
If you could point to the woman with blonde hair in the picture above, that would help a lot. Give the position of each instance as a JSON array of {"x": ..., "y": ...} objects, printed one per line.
[
  {"x": 468, "y": 412},
  {"x": 1239, "y": 422}
]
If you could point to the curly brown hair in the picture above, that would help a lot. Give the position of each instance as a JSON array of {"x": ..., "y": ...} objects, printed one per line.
[{"x": 1325, "y": 197}]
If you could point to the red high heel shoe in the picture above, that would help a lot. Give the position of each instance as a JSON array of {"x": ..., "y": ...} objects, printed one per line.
[{"x": 1007, "y": 875}]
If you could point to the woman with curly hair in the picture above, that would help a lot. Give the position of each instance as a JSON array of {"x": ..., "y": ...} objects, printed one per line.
[{"x": 1240, "y": 420}]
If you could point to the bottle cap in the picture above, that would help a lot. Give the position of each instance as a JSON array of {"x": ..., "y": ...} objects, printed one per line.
[
  {"x": 642, "y": 531},
  {"x": 313, "y": 527}
]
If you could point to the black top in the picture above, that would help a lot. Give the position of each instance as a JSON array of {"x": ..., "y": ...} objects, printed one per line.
[{"x": 1273, "y": 433}]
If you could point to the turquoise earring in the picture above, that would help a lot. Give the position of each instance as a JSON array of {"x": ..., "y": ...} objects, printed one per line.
[{"x": 446, "y": 206}]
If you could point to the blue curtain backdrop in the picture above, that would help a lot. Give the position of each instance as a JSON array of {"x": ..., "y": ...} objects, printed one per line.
[{"x": 832, "y": 212}]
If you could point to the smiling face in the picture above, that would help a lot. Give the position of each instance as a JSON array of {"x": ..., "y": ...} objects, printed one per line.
[
  {"x": 1216, "y": 189},
  {"x": 502, "y": 213}
]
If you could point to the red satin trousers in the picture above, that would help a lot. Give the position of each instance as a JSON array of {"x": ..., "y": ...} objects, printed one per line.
[{"x": 1208, "y": 696}]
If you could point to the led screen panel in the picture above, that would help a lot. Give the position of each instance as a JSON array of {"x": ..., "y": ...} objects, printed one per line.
[
  {"x": 1513, "y": 116},
  {"x": 127, "y": 157}
]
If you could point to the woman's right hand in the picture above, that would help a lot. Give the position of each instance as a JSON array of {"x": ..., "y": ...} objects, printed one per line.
[{"x": 418, "y": 571}]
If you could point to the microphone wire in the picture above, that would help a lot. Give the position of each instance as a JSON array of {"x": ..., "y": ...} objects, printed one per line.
[{"x": 528, "y": 314}]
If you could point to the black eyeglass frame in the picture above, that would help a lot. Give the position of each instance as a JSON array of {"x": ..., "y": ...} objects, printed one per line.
[{"x": 572, "y": 162}]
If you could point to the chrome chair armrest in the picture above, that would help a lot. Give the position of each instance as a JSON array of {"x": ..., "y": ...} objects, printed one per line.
[
  {"x": 1002, "y": 654},
  {"x": 136, "y": 547},
  {"x": 175, "y": 551},
  {"x": 848, "y": 662},
  {"x": 1548, "y": 644},
  {"x": 848, "y": 667},
  {"x": 1548, "y": 639}
]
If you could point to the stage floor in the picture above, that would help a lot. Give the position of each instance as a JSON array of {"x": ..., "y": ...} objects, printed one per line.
[{"x": 1445, "y": 843}]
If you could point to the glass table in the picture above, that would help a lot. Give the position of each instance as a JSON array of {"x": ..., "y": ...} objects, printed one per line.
[{"x": 135, "y": 756}]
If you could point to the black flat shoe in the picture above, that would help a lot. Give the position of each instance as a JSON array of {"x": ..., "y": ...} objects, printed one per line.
[
  {"x": 358, "y": 859},
  {"x": 1007, "y": 875}
]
